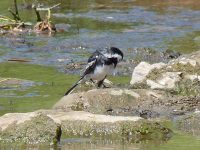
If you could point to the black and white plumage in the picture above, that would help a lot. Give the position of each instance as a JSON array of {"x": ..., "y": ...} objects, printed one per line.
[{"x": 101, "y": 63}]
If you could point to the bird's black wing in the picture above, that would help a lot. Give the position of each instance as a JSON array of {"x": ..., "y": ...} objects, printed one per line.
[
  {"x": 89, "y": 69},
  {"x": 92, "y": 62},
  {"x": 96, "y": 58}
]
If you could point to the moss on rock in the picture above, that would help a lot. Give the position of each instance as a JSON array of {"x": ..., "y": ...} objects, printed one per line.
[
  {"x": 135, "y": 131},
  {"x": 98, "y": 101},
  {"x": 39, "y": 129}
]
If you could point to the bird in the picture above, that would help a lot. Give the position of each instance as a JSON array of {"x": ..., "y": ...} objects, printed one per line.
[{"x": 101, "y": 63}]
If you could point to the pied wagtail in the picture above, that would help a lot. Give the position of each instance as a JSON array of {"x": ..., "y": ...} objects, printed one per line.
[{"x": 101, "y": 63}]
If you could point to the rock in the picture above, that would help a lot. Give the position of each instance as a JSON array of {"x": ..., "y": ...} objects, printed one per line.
[
  {"x": 31, "y": 127},
  {"x": 170, "y": 54},
  {"x": 99, "y": 100},
  {"x": 48, "y": 125},
  {"x": 154, "y": 85},
  {"x": 132, "y": 130},
  {"x": 192, "y": 77},
  {"x": 167, "y": 80},
  {"x": 167, "y": 76},
  {"x": 184, "y": 61},
  {"x": 142, "y": 70}
]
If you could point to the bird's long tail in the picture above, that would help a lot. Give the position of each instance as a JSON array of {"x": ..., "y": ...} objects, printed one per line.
[{"x": 77, "y": 83}]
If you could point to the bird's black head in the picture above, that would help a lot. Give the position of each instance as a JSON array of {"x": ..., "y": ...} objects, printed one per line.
[{"x": 117, "y": 53}]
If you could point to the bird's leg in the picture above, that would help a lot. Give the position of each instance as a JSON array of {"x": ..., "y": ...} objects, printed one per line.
[
  {"x": 104, "y": 86},
  {"x": 101, "y": 83},
  {"x": 92, "y": 81}
]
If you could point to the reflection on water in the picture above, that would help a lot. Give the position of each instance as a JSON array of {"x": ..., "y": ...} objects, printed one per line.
[{"x": 178, "y": 142}]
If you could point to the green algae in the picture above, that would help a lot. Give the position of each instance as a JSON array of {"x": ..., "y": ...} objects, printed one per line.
[
  {"x": 187, "y": 88},
  {"x": 98, "y": 25},
  {"x": 50, "y": 92},
  {"x": 185, "y": 44},
  {"x": 47, "y": 94}
]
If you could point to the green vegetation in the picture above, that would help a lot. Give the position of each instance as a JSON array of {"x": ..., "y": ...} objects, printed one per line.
[
  {"x": 54, "y": 85},
  {"x": 52, "y": 89},
  {"x": 98, "y": 25},
  {"x": 188, "y": 88},
  {"x": 187, "y": 43}
]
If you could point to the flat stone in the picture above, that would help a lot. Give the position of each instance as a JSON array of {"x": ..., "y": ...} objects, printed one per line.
[
  {"x": 98, "y": 100},
  {"x": 48, "y": 125},
  {"x": 89, "y": 117}
]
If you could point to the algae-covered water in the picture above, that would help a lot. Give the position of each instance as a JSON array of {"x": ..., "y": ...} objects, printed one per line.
[
  {"x": 83, "y": 27},
  {"x": 88, "y": 25},
  {"x": 178, "y": 142}
]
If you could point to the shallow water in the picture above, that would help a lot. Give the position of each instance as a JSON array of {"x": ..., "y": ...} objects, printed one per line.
[
  {"x": 88, "y": 25},
  {"x": 178, "y": 142}
]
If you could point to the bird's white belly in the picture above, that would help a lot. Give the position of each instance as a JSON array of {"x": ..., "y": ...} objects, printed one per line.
[{"x": 101, "y": 71}]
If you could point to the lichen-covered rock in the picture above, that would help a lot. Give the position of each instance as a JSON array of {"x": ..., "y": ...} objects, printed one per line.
[
  {"x": 184, "y": 61},
  {"x": 84, "y": 124},
  {"x": 98, "y": 100},
  {"x": 136, "y": 131},
  {"x": 48, "y": 125},
  {"x": 142, "y": 70},
  {"x": 31, "y": 127},
  {"x": 167, "y": 80},
  {"x": 167, "y": 76}
]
